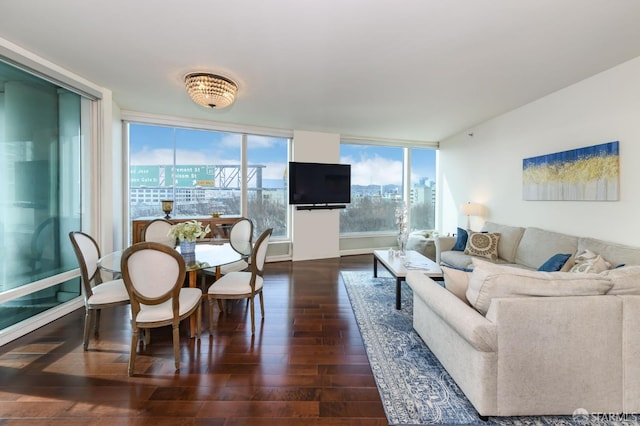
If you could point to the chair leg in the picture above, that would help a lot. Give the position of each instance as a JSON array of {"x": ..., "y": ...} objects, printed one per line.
[
  {"x": 210, "y": 316},
  {"x": 97, "y": 327},
  {"x": 253, "y": 317},
  {"x": 261, "y": 305},
  {"x": 199, "y": 319},
  {"x": 132, "y": 354},
  {"x": 176, "y": 342},
  {"x": 87, "y": 327},
  {"x": 220, "y": 306}
]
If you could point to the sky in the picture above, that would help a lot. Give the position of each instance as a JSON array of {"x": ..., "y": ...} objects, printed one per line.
[{"x": 370, "y": 164}]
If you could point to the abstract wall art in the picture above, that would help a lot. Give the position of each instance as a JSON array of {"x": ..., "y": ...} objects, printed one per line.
[{"x": 584, "y": 174}]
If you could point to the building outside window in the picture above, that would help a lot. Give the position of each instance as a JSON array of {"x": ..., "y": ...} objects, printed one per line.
[
  {"x": 378, "y": 187},
  {"x": 203, "y": 171}
]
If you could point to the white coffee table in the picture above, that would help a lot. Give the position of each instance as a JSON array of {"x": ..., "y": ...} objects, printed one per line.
[{"x": 399, "y": 265}]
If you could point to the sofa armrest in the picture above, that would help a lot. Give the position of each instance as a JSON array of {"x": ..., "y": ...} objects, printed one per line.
[
  {"x": 443, "y": 244},
  {"x": 463, "y": 319},
  {"x": 565, "y": 347}
]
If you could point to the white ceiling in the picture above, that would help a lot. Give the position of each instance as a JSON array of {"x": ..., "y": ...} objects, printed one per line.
[{"x": 403, "y": 69}]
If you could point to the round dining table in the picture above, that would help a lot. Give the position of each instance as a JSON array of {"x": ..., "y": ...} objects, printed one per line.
[{"x": 205, "y": 256}]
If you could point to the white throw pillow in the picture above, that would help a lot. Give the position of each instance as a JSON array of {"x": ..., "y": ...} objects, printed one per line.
[
  {"x": 489, "y": 281},
  {"x": 457, "y": 282}
]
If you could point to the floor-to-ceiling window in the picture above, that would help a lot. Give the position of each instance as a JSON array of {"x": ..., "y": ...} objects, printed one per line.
[
  {"x": 267, "y": 183},
  {"x": 42, "y": 128},
  {"x": 205, "y": 171},
  {"x": 383, "y": 178}
]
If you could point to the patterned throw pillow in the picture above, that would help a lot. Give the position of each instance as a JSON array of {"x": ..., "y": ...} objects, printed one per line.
[
  {"x": 589, "y": 262},
  {"x": 483, "y": 244}
]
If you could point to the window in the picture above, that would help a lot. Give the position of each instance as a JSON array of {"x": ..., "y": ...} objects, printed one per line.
[
  {"x": 202, "y": 171},
  {"x": 41, "y": 133},
  {"x": 378, "y": 187},
  {"x": 423, "y": 189},
  {"x": 267, "y": 197}
]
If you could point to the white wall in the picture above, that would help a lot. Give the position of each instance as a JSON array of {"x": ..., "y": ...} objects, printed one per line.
[
  {"x": 315, "y": 232},
  {"x": 487, "y": 167}
]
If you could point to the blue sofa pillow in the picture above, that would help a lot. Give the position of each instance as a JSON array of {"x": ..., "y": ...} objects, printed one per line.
[
  {"x": 461, "y": 240},
  {"x": 554, "y": 263}
]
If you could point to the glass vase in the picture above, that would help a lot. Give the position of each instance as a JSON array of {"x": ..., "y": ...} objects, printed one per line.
[{"x": 402, "y": 243}]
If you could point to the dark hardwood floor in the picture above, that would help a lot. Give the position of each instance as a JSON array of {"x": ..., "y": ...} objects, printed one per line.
[{"x": 306, "y": 364}]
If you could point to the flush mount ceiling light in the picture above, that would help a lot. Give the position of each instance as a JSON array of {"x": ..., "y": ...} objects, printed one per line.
[{"x": 210, "y": 90}]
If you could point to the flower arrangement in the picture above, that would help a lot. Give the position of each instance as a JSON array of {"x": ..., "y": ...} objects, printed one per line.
[
  {"x": 401, "y": 219},
  {"x": 190, "y": 231}
]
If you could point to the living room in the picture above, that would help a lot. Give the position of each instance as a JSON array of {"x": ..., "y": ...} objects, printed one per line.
[{"x": 480, "y": 155}]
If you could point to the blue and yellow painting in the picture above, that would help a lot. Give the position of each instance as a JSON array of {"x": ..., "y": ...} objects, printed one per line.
[{"x": 583, "y": 174}]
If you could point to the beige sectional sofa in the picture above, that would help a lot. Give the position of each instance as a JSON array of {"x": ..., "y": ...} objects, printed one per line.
[{"x": 524, "y": 342}]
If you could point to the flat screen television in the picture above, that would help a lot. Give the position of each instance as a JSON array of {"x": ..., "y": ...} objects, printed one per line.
[{"x": 319, "y": 183}]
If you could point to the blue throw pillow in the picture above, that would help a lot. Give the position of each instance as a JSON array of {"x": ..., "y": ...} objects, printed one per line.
[
  {"x": 555, "y": 263},
  {"x": 461, "y": 240}
]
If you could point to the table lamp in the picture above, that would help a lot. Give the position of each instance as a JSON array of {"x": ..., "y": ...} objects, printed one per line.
[{"x": 471, "y": 209}]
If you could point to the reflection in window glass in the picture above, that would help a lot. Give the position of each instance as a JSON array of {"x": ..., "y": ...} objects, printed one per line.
[
  {"x": 376, "y": 187},
  {"x": 25, "y": 307},
  {"x": 267, "y": 197},
  {"x": 40, "y": 157}
]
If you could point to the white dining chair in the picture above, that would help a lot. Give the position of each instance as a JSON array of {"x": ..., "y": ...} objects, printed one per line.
[
  {"x": 243, "y": 284},
  {"x": 157, "y": 230},
  {"x": 154, "y": 274},
  {"x": 98, "y": 294},
  {"x": 240, "y": 239}
]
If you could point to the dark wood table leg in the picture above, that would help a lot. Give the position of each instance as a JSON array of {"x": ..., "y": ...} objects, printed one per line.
[
  {"x": 398, "y": 293},
  {"x": 375, "y": 266}
]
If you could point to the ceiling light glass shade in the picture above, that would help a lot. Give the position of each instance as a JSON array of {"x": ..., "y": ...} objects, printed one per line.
[{"x": 210, "y": 90}]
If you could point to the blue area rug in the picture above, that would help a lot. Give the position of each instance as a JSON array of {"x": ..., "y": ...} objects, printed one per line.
[{"x": 414, "y": 387}]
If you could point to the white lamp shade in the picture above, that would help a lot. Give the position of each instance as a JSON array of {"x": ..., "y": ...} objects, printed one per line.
[{"x": 471, "y": 209}]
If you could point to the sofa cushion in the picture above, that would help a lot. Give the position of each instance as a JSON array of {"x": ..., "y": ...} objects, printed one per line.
[
  {"x": 489, "y": 281},
  {"x": 461, "y": 240},
  {"x": 509, "y": 239},
  {"x": 457, "y": 282},
  {"x": 555, "y": 263},
  {"x": 626, "y": 280},
  {"x": 483, "y": 244},
  {"x": 537, "y": 245}
]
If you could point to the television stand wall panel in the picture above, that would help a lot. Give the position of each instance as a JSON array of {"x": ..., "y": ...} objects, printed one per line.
[{"x": 337, "y": 206}]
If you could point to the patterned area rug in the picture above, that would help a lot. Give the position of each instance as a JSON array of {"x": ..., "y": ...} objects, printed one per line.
[{"x": 414, "y": 387}]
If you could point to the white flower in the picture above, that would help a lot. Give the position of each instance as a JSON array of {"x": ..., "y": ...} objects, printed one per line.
[{"x": 190, "y": 231}]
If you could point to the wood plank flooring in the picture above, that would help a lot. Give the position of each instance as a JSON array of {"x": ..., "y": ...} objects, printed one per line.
[{"x": 306, "y": 364}]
